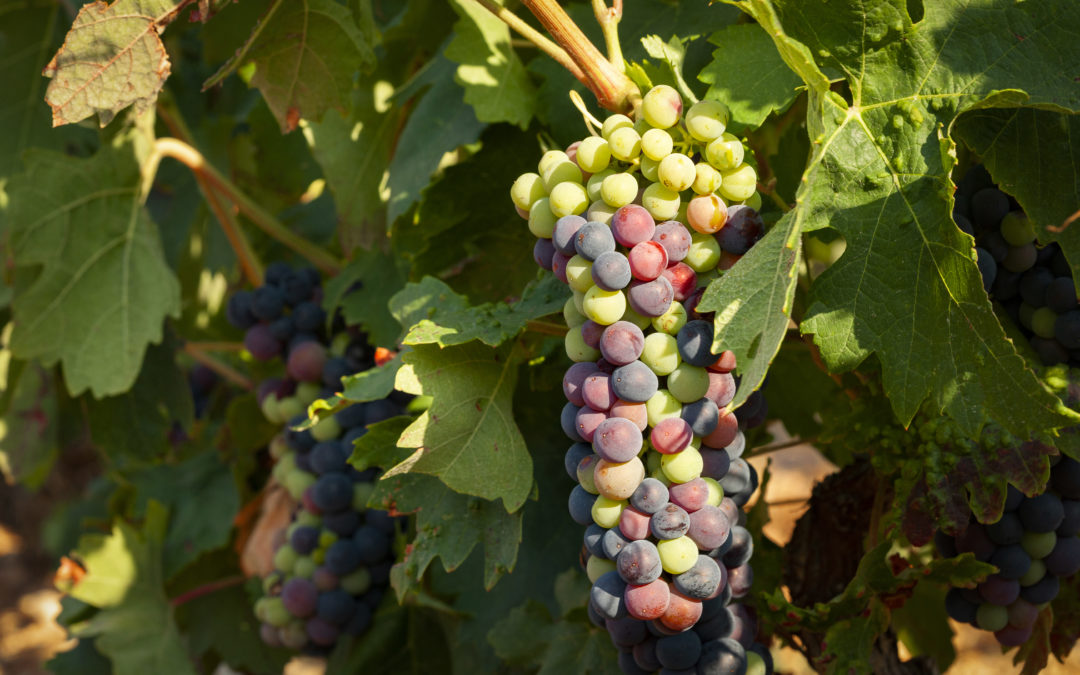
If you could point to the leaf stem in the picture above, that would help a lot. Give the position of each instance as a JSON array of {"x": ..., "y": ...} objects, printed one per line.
[
  {"x": 612, "y": 88},
  {"x": 535, "y": 37},
  {"x": 546, "y": 328},
  {"x": 206, "y": 589},
  {"x": 608, "y": 18},
  {"x": 784, "y": 445},
  {"x": 249, "y": 262},
  {"x": 195, "y": 351},
  {"x": 237, "y": 58}
]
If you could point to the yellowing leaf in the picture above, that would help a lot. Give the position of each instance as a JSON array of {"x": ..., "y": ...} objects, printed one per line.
[{"x": 113, "y": 57}]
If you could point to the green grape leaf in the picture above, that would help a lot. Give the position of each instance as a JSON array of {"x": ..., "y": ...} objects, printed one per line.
[
  {"x": 407, "y": 640},
  {"x": 752, "y": 302},
  {"x": 907, "y": 288},
  {"x": 848, "y": 643},
  {"x": 441, "y": 121},
  {"x": 380, "y": 276},
  {"x": 496, "y": 83},
  {"x": 29, "y": 433},
  {"x": 202, "y": 500},
  {"x": 135, "y": 425},
  {"x": 353, "y": 151},
  {"x": 83, "y": 659},
  {"x": 135, "y": 627},
  {"x": 439, "y": 316},
  {"x": 305, "y": 55},
  {"x": 378, "y": 447},
  {"x": 224, "y": 622},
  {"x": 531, "y": 637},
  {"x": 672, "y": 53},
  {"x": 104, "y": 287},
  {"x": 747, "y": 74},
  {"x": 1023, "y": 148},
  {"x": 923, "y": 627},
  {"x": 112, "y": 57},
  {"x": 468, "y": 437},
  {"x": 29, "y": 32},
  {"x": 372, "y": 384},
  {"x": 448, "y": 526}
]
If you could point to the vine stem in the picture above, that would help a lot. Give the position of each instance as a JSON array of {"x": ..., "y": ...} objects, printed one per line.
[
  {"x": 198, "y": 352},
  {"x": 206, "y": 589},
  {"x": 785, "y": 445},
  {"x": 538, "y": 39},
  {"x": 545, "y": 328},
  {"x": 608, "y": 18},
  {"x": 612, "y": 88}
]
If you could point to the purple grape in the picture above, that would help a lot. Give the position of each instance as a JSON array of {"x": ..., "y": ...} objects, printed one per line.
[
  {"x": 650, "y": 298},
  {"x": 632, "y": 224},
  {"x": 613, "y": 542},
  {"x": 298, "y": 287},
  {"x": 702, "y": 415},
  {"x": 743, "y": 229},
  {"x": 324, "y": 579},
  {"x": 309, "y": 317},
  {"x": 683, "y": 280},
  {"x": 742, "y": 548},
  {"x": 594, "y": 540},
  {"x": 675, "y": 239},
  {"x": 543, "y": 252},
  {"x": 607, "y": 596},
  {"x": 299, "y": 597},
  {"x": 959, "y": 608},
  {"x": 638, "y": 563},
  {"x": 695, "y": 343},
  {"x": 634, "y": 382},
  {"x": 597, "y": 393},
  {"x": 700, "y": 581},
  {"x": 1012, "y": 562},
  {"x": 322, "y": 632},
  {"x": 372, "y": 544},
  {"x": 238, "y": 310},
  {"x": 270, "y": 635},
  {"x": 581, "y": 503},
  {"x": 691, "y": 495},
  {"x": 1061, "y": 294},
  {"x": 1043, "y": 513},
  {"x": 627, "y": 664},
  {"x": 342, "y": 523},
  {"x": 304, "y": 539},
  {"x": 670, "y": 522},
  {"x": 679, "y": 652},
  {"x": 330, "y": 456},
  {"x": 617, "y": 440},
  {"x": 573, "y": 381},
  {"x": 259, "y": 340},
  {"x": 611, "y": 271},
  {"x": 722, "y": 656},
  {"x": 740, "y": 579},
  {"x": 332, "y": 492},
  {"x": 564, "y": 235},
  {"x": 1045, "y": 590},
  {"x": 621, "y": 343},
  {"x": 576, "y": 453},
  {"x": 569, "y": 421},
  {"x": 267, "y": 303},
  {"x": 587, "y": 422},
  {"x": 974, "y": 540},
  {"x": 626, "y": 632},
  {"x": 744, "y": 624},
  {"x": 592, "y": 240},
  {"x": 650, "y": 496},
  {"x": 718, "y": 625},
  {"x": 715, "y": 462},
  {"x": 709, "y": 528},
  {"x": 1070, "y": 525},
  {"x": 336, "y": 606},
  {"x": 998, "y": 590},
  {"x": 591, "y": 332},
  {"x": 343, "y": 557},
  {"x": 737, "y": 479},
  {"x": 1064, "y": 560}
]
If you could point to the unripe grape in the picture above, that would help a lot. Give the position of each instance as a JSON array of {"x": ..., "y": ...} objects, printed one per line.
[
  {"x": 625, "y": 144},
  {"x": 707, "y": 120},
  {"x": 660, "y": 202},
  {"x": 619, "y": 190},
  {"x": 551, "y": 158},
  {"x": 615, "y": 122},
  {"x": 650, "y": 169},
  {"x": 542, "y": 218},
  {"x": 662, "y": 106},
  {"x": 706, "y": 179},
  {"x": 656, "y": 144},
  {"x": 561, "y": 172},
  {"x": 738, "y": 183},
  {"x": 677, "y": 172},
  {"x": 725, "y": 152},
  {"x": 568, "y": 199},
  {"x": 527, "y": 189},
  {"x": 593, "y": 155},
  {"x": 706, "y": 214},
  {"x": 593, "y": 185}
]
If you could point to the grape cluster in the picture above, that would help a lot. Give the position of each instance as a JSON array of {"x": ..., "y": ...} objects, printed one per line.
[
  {"x": 332, "y": 563},
  {"x": 1034, "y": 545},
  {"x": 637, "y": 227},
  {"x": 1033, "y": 283}
]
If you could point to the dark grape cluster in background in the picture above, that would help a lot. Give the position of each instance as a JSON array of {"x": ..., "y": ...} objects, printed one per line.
[
  {"x": 1032, "y": 282},
  {"x": 332, "y": 563},
  {"x": 1035, "y": 544}
]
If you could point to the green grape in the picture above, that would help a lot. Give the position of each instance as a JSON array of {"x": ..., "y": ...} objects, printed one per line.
[
  {"x": 1042, "y": 322},
  {"x": 293, "y": 635},
  {"x": 625, "y": 144},
  {"x": 661, "y": 353},
  {"x": 656, "y": 144},
  {"x": 704, "y": 252},
  {"x": 615, "y": 122},
  {"x": 677, "y": 172},
  {"x": 307, "y": 393},
  {"x": 684, "y": 466},
  {"x": 754, "y": 201},
  {"x": 551, "y": 158},
  {"x": 662, "y": 106},
  {"x": 305, "y": 517},
  {"x": 725, "y": 152},
  {"x": 716, "y": 491},
  {"x": 755, "y": 665},
  {"x": 619, "y": 190},
  {"x": 579, "y": 298},
  {"x": 595, "y": 182},
  {"x": 641, "y": 126},
  {"x": 284, "y": 559},
  {"x": 561, "y": 172},
  {"x": 593, "y": 154},
  {"x": 606, "y": 512},
  {"x": 585, "y": 476},
  {"x": 579, "y": 275},
  {"x": 597, "y": 567},
  {"x": 660, "y": 202},
  {"x": 1017, "y": 229},
  {"x": 991, "y": 617},
  {"x": 275, "y": 612},
  {"x": 326, "y": 538},
  {"x": 568, "y": 199},
  {"x": 650, "y": 169},
  {"x": 687, "y": 383},
  {"x": 356, "y": 583},
  {"x": 706, "y": 120},
  {"x": 673, "y": 319},
  {"x": 304, "y": 567},
  {"x": 681, "y": 215},
  {"x": 1034, "y": 574},
  {"x": 604, "y": 307},
  {"x": 739, "y": 183},
  {"x": 541, "y": 218},
  {"x": 661, "y": 406},
  {"x": 269, "y": 408},
  {"x": 527, "y": 189},
  {"x": 677, "y": 555},
  {"x": 639, "y": 320},
  {"x": 652, "y": 462},
  {"x": 362, "y": 495},
  {"x": 706, "y": 179},
  {"x": 599, "y": 212},
  {"x": 298, "y": 482},
  {"x": 1038, "y": 544},
  {"x": 571, "y": 315},
  {"x": 289, "y": 407},
  {"x": 577, "y": 349},
  {"x": 326, "y": 429},
  {"x": 279, "y": 445}
]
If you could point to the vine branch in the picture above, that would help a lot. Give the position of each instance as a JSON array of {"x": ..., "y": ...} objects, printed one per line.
[
  {"x": 197, "y": 352},
  {"x": 612, "y": 88},
  {"x": 535, "y": 37},
  {"x": 608, "y": 18},
  {"x": 206, "y": 589}
]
